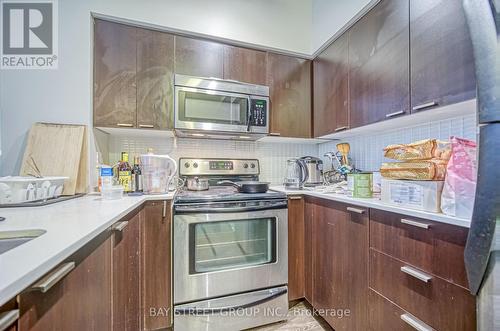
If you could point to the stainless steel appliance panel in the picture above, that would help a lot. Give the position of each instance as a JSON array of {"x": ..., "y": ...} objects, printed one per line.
[
  {"x": 237, "y": 312},
  {"x": 214, "y": 273}
]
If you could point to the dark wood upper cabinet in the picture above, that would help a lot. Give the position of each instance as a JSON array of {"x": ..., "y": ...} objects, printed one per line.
[
  {"x": 245, "y": 65},
  {"x": 330, "y": 88},
  {"x": 196, "y": 57},
  {"x": 296, "y": 247},
  {"x": 114, "y": 74},
  {"x": 379, "y": 64},
  {"x": 126, "y": 298},
  {"x": 156, "y": 264},
  {"x": 442, "y": 67},
  {"x": 340, "y": 266},
  {"x": 155, "y": 79},
  {"x": 289, "y": 80},
  {"x": 80, "y": 300}
]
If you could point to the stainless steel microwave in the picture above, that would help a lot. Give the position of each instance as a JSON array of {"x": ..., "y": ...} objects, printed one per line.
[{"x": 221, "y": 109}]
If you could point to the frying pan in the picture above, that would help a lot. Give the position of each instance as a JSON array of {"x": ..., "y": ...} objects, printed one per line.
[{"x": 247, "y": 186}]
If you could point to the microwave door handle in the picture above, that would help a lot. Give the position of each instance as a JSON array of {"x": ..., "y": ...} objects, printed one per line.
[
  {"x": 249, "y": 113},
  {"x": 205, "y": 311}
]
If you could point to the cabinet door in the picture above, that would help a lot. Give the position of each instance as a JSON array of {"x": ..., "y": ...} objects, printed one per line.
[
  {"x": 126, "y": 298},
  {"x": 379, "y": 64},
  {"x": 155, "y": 79},
  {"x": 114, "y": 74},
  {"x": 296, "y": 248},
  {"x": 289, "y": 80},
  {"x": 198, "y": 57},
  {"x": 442, "y": 67},
  {"x": 331, "y": 94},
  {"x": 308, "y": 250},
  {"x": 156, "y": 270},
  {"x": 245, "y": 65},
  {"x": 80, "y": 300},
  {"x": 8, "y": 312},
  {"x": 340, "y": 253}
]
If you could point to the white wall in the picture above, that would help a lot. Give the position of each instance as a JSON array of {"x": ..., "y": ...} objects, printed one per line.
[
  {"x": 329, "y": 16},
  {"x": 64, "y": 95}
]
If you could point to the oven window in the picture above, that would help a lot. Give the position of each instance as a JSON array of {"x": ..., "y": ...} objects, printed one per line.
[
  {"x": 210, "y": 108},
  {"x": 232, "y": 244}
]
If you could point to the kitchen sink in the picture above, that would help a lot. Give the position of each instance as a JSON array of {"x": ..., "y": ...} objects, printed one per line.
[{"x": 12, "y": 239}]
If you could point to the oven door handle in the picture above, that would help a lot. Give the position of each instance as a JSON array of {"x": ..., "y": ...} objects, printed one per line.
[
  {"x": 208, "y": 209},
  {"x": 207, "y": 311}
]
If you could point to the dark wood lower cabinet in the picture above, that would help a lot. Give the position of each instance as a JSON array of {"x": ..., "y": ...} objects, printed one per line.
[
  {"x": 80, "y": 300},
  {"x": 384, "y": 315},
  {"x": 156, "y": 265},
  {"x": 340, "y": 264},
  {"x": 126, "y": 294},
  {"x": 308, "y": 254},
  {"x": 296, "y": 238},
  {"x": 8, "y": 310}
]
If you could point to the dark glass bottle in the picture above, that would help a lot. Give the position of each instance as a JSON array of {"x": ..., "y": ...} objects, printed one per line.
[
  {"x": 125, "y": 173},
  {"x": 137, "y": 174}
]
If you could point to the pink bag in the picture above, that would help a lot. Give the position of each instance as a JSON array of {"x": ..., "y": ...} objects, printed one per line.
[{"x": 459, "y": 188}]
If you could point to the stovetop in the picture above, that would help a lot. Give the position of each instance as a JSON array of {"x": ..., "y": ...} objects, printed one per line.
[{"x": 223, "y": 193}]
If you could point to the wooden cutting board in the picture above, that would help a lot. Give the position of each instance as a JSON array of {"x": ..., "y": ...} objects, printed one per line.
[{"x": 58, "y": 150}]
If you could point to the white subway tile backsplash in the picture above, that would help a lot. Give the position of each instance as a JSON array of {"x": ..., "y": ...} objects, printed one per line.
[{"x": 366, "y": 150}]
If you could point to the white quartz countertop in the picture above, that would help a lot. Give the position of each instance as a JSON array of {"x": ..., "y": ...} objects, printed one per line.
[
  {"x": 69, "y": 225},
  {"x": 377, "y": 204}
]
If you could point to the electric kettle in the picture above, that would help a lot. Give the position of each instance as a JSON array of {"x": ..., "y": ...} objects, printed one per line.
[{"x": 296, "y": 174}]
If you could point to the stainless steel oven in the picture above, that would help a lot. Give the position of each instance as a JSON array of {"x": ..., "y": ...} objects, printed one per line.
[
  {"x": 223, "y": 248},
  {"x": 215, "y": 108}
]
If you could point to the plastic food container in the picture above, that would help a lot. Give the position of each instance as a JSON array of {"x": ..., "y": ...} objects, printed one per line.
[
  {"x": 19, "y": 189},
  {"x": 421, "y": 195},
  {"x": 157, "y": 173},
  {"x": 360, "y": 185},
  {"x": 114, "y": 192}
]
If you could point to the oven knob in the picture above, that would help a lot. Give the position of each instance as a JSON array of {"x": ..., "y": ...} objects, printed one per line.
[
  {"x": 195, "y": 165},
  {"x": 245, "y": 165},
  {"x": 252, "y": 165},
  {"x": 186, "y": 165}
]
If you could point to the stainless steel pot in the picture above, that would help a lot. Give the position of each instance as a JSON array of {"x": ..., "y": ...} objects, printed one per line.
[{"x": 197, "y": 184}]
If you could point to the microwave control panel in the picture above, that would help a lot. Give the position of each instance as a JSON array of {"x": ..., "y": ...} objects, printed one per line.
[{"x": 259, "y": 112}]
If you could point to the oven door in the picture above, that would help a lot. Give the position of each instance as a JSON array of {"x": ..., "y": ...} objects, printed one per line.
[{"x": 221, "y": 253}]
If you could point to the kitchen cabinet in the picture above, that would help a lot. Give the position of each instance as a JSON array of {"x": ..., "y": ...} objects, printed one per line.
[
  {"x": 384, "y": 315},
  {"x": 155, "y": 79},
  {"x": 289, "y": 81},
  {"x": 9, "y": 314},
  {"x": 115, "y": 86},
  {"x": 340, "y": 264},
  {"x": 197, "y": 57},
  {"x": 330, "y": 88},
  {"x": 308, "y": 251},
  {"x": 379, "y": 64},
  {"x": 125, "y": 261},
  {"x": 75, "y": 295},
  {"x": 296, "y": 246},
  {"x": 245, "y": 65},
  {"x": 156, "y": 269},
  {"x": 442, "y": 67}
]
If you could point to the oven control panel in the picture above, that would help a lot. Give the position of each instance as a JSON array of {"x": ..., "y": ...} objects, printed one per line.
[
  {"x": 194, "y": 167},
  {"x": 259, "y": 112}
]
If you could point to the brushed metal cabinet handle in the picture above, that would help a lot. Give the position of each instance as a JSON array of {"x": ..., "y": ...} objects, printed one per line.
[
  {"x": 53, "y": 278},
  {"x": 125, "y": 125},
  {"x": 164, "y": 210},
  {"x": 120, "y": 226},
  {"x": 356, "y": 210},
  {"x": 275, "y": 134},
  {"x": 415, "y": 323},
  {"x": 416, "y": 273},
  {"x": 396, "y": 113},
  {"x": 295, "y": 197},
  {"x": 8, "y": 318},
  {"x": 342, "y": 128},
  {"x": 147, "y": 126},
  {"x": 415, "y": 223},
  {"x": 425, "y": 105}
]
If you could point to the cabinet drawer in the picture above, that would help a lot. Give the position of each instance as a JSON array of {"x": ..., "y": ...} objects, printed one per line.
[
  {"x": 434, "y": 247},
  {"x": 440, "y": 304},
  {"x": 384, "y": 315}
]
